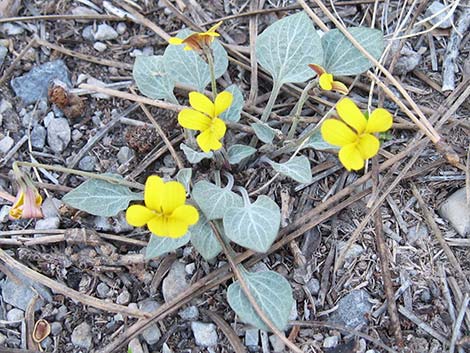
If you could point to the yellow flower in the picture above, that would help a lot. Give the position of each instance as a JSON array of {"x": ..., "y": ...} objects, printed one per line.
[
  {"x": 27, "y": 203},
  {"x": 326, "y": 80},
  {"x": 197, "y": 41},
  {"x": 355, "y": 134},
  {"x": 165, "y": 212},
  {"x": 204, "y": 117}
]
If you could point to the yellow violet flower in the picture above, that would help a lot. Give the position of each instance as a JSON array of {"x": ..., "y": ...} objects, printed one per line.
[
  {"x": 204, "y": 117},
  {"x": 355, "y": 133},
  {"x": 165, "y": 212},
  {"x": 326, "y": 81},
  {"x": 27, "y": 203},
  {"x": 199, "y": 40}
]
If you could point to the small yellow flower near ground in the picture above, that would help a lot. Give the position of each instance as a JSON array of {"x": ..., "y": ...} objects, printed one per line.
[
  {"x": 199, "y": 40},
  {"x": 355, "y": 134},
  {"x": 326, "y": 81},
  {"x": 27, "y": 204},
  {"x": 204, "y": 117},
  {"x": 165, "y": 212}
]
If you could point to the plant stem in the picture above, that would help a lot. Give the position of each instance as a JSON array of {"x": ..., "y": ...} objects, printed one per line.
[
  {"x": 298, "y": 107},
  {"x": 210, "y": 62},
  {"x": 108, "y": 178},
  {"x": 272, "y": 99}
]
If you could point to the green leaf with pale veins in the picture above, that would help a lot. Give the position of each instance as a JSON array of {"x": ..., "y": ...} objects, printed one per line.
[
  {"x": 184, "y": 177},
  {"x": 233, "y": 112},
  {"x": 341, "y": 57},
  {"x": 317, "y": 142},
  {"x": 152, "y": 79},
  {"x": 237, "y": 153},
  {"x": 101, "y": 198},
  {"x": 297, "y": 168},
  {"x": 204, "y": 239},
  {"x": 213, "y": 200},
  {"x": 264, "y": 132},
  {"x": 158, "y": 246},
  {"x": 194, "y": 156},
  {"x": 253, "y": 226},
  {"x": 187, "y": 66},
  {"x": 272, "y": 293},
  {"x": 286, "y": 48}
]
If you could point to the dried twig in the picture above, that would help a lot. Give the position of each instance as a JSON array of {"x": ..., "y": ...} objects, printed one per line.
[
  {"x": 422, "y": 325},
  {"x": 458, "y": 323},
  {"x": 227, "y": 330}
]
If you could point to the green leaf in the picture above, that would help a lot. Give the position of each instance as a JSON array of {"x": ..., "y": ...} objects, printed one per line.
[
  {"x": 271, "y": 292},
  {"x": 101, "y": 198},
  {"x": 204, "y": 239},
  {"x": 213, "y": 200},
  {"x": 298, "y": 168},
  {"x": 264, "y": 132},
  {"x": 193, "y": 156},
  {"x": 237, "y": 153},
  {"x": 233, "y": 112},
  {"x": 152, "y": 79},
  {"x": 317, "y": 142},
  {"x": 184, "y": 177},
  {"x": 287, "y": 47},
  {"x": 253, "y": 226},
  {"x": 341, "y": 57},
  {"x": 158, "y": 246},
  {"x": 187, "y": 66}
]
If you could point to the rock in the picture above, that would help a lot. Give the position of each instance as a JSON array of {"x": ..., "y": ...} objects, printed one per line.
[
  {"x": 11, "y": 29},
  {"x": 83, "y": 11},
  {"x": 121, "y": 28},
  {"x": 38, "y": 137},
  {"x": 152, "y": 334},
  {"x": 313, "y": 286},
  {"x": 441, "y": 12},
  {"x": 56, "y": 328},
  {"x": 46, "y": 344},
  {"x": 95, "y": 82},
  {"x": 3, "y": 339},
  {"x": 62, "y": 312},
  {"x": 48, "y": 119},
  {"x": 102, "y": 289},
  {"x": 276, "y": 343},
  {"x": 81, "y": 336},
  {"x": 189, "y": 313},
  {"x": 50, "y": 207},
  {"x": 417, "y": 344},
  {"x": 46, "y": 223},
  {"x": 87, "y": 163},
  {"x": 58, "y": 134},
  {"x": 354, "y": 251},
  {"x": 407, "y": 61},
  {"x": 4, "y": 213},
  {"x": 3, "y": 54},
  {"x": 125, "y": 154},
  {"x": 330, "y": 342},
  {"x": 166, "y": 349},
  {"x": 456, "y": 210},
  {"x": 175, "y": 282},
  {"x": 87, "y": 33},
  {"x": 76, "y": 135},
  {"x": 100, "y": 46},
  {"x": 417, "y": 233},
  {"x": 252, "y": 337},
  {"x": 135, "y": 346},
  {"x": 204, "y": 334},
  {"x": 20, "y": 294},
  {"x": 190, "y": 268},
  {"x": 105, "y": 32},
  {"x": 15, "y": 315},
  {"x": 352, "y": 309},
  {"x": 34, "y": 85},
  {"x": 123, "y": 298},
  {"x": 6, "y": 144},
  {"x": 293, "y": 312},
  {"x": 9, "y": 8}
]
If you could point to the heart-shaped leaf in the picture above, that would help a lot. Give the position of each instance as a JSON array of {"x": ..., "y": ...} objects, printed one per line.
[
  {"x": 253, "y": 226},
  {"x": 297, "y": 168},
  {"x": 264, "y": 132},
  {"x": 286, "y": 48},
  {"x": 187, "y": 66},
  {"x": 194, "y": 156},
  {"x": 233, "y": 112},
  {"x": 152, "y": 79},
  {"x": 101, "y": 198},
  {"x": 158, "y": 246},
  {"x": 213, "y": 200},
  {"x": 237, "y": 153},
  {"x": 272, "y": 293},
  {"x": 204, "y": 239},
  {"x": 184, "y": 177},
  {"x": 341, "y": 57}
]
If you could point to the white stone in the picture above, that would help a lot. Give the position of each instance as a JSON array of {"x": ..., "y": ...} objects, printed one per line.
[
  {"x": 175, "y": 282},
  {"x": 105, "y": 32},
  {"x": 15, "y": 315},
  {"x": 330, "y": 342},
  {"x": 277, "y": 344},
  {"x": 121, "y": 28},
  {"x": 440, "y": 11},
  {"x": 135, "y": 346},
  {"x": 58, "y": 134},
  {"x": 204, "y": 334},
  {"x": 4, "y": 212},
  {"x": 81, "y": 336},
  {"x": 457, "y": 211},
  {"x": 100, "y": 46},
  {"x": 6, "y": 144},
  {"x": 11, "y": 29}
]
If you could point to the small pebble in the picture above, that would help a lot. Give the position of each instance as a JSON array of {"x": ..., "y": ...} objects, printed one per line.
[
  {"x": 100, "y": 46},
  {"x": 15, "y": 315},
  {"x": 123, "y": 298},
  {"x": 440, "y": 11},
  {"x": 4, "y": 212},
  {"x": 121, "y": 28},
  {"x": 50, "y": 207},
  {"x": 6, "y": 144},
  {"x": 11, "y": 29},
  {"x": 62, "y": 312},
  {"x": 58, "y": 134},
  {"x": 252, "y": 337},
  {"x": 46, "y": 344},
  {"x": 105, "y": 32},
  {"x": 189, "y": 313},
  {"x": 3, "y": 54},
  {"x": 76, "y": 135},
  {"x": 313, "y": 286},
  {"x": 46, "y": 223},
  {"x": 190, "y": 268},
  {"x": 56, "y": 328},
  {"x": 135, "y": 346},
  {"x": 102, "y": 289},
  {"x": 276, "y": 343},
  {"x": 125, "y": 154},
  {"x": 81, "y": 336},
  {"x": 204, "y": 334},
  {"x": 330, "y": 342},
  {"x": 175, "y": 282},
  {"x": 87, "y": 163},
  {"x": 456, "y": 210},
  {"x": 38, "y": 137}
]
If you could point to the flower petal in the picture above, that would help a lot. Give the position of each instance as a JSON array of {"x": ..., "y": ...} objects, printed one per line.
[
  {"x": 339, "y": 87},
  {"x": 219, "y": 128},
  {"x": 208, "y": 141},
  {"x": 326, "y": 81},
  {"x": 175, "y": 41},
  {"x": 138, "y": 215},
  {"x": 201, "y": 103},
  {"x": 176, "y": 228},
  {"x": 379, "y": 121},
  {"x": 350, "y": 157},
  {"x": 16, "y": 209},
  {"x": 350, "y": 113},
  {"x": 158, "y": 226},
  {"x": 368, "y": 145},
  {"x": 214, "y": 28},
  {"x": 173, "y": 196},
  {"x": 337, "y": 133},
  {"x": 194, "y": 120},
  {"x": 317, "y": 68},
  {"x": 187, "y": 214},
  {"x": 223, "y": 102},
  {"x": 153, "y": 193}
]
